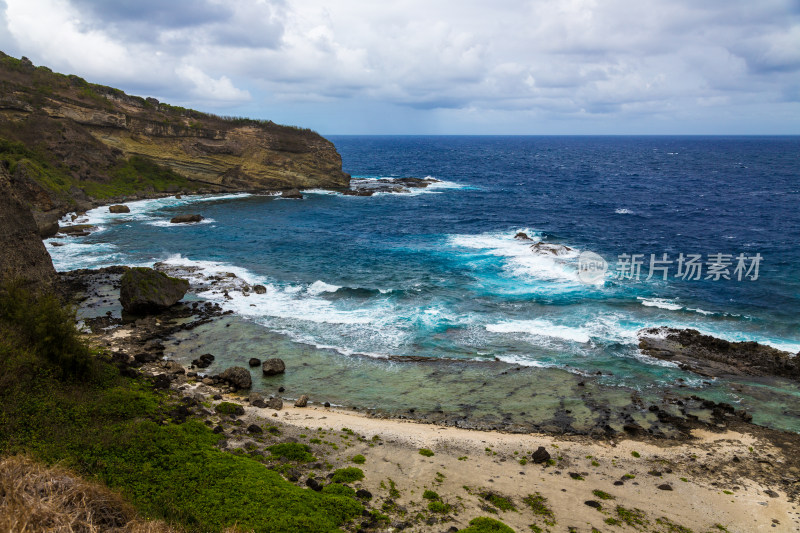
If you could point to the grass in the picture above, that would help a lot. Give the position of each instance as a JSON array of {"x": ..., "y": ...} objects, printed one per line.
[
  {"x": 636, "y": 454},
  {"x": 501, "y": 502},
  {"x": 359, "y": 459},
  {"x": 426, "y": 452},
  {"x": 632, "y": 517},
  {"x": 538, "y": 505},
  {"x": 484, "y": 524},
  {"x": 439, "y": 507},
  {"x": 671, "y": 527},
  {"x": 602, "y": 495},
  {"x": 430, "y": 495},
  {"x": 135, "y": 175},
  {"x": 117, "y": 431}
]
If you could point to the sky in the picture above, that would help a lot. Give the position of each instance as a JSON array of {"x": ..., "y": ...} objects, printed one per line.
[{"x": 539, "y": 67}]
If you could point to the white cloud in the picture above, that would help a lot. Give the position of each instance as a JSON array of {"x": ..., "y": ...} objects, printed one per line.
[
  {"x": 219, "y": 91},
  {"x": 615, "y": 60}
]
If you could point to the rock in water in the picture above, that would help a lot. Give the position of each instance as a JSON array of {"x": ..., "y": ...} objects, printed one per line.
[
  {"x": 203, "y": 361},
  {"x": 119, "y": 209},
  {"x": 259, "y": 289},
  {"x": 238, "y": 377},
  {"x": 540, "y": 455},
  {"x": 293, "y": 194},
  {"x": 144, "y": 290},
  {"x": 186, "y": 219},
  {"x": 273, "y": 367},
  {"x": 522, "y": 236},
  {"x": 254, "y": 362}
]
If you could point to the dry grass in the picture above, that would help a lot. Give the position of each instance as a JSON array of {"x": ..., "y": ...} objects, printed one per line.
[{"x": 38, "y": 498}]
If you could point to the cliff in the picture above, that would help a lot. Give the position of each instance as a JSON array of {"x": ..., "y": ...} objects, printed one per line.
[
  {"x": 23, "y": 254},
  {"x": 70, "y": 144}
]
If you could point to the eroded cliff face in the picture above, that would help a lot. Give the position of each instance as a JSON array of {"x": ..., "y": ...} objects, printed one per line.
[
  {"x": 22, "y": 252},
  {"x": 69, "y": 144}
]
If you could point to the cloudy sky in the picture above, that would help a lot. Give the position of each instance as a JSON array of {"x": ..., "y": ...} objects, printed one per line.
[{"x": 436, "y": 66}]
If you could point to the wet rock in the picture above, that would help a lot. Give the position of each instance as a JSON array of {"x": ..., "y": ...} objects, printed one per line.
[
  {"x": 119, "y": 209},
  {"x": 203, "y": 361},
  {"x": 327, "y": 404},
  {"x": 238, "y": 377},
  {"x": 540, "y": 455},
  {"x": 144, "y": 290},
  {"x": 302, "y": 401},
  {"x": 273, "y": 366},
  {"x": 259, "y": 289},
  {"x": 548, "y": 248},
  {"x": 709, "y": 356},
  {"x": 78, "y": 230},
  {"x": 522, "y": 236},
  {"x": 293, "y": 194},
  {"x": 186, "y": 219},
  {"x": 254, "y": 362}
]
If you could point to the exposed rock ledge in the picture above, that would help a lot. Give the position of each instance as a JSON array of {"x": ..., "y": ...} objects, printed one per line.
[{"x": 709, "y": 356}]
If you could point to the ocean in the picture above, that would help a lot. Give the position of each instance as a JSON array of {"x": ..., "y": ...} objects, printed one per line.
[{"x": 697, "y": 232}]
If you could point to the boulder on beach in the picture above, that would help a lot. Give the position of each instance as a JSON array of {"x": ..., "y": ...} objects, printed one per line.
[
  {"x": 275, "y": 403},
  {"x": 144, "y": 290},
  {"x": 540, "y": 455},
  {"x": 119, "y": 209},
  {"x": 302, "y": 401},
  {"x": 237, "y": 377},
  {"x": 293, "y": 194},
  {"x": 273, "y": 367},
  {"x": 186, "y": 219}
]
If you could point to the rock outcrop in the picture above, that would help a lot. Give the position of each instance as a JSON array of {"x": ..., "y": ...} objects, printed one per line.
[
  {"x": 23, "y": 254},
  {"x": 144, "y": 290},
  {"x": 713, "y": 357},
  {"x": 186, "y": 219},
  {"x": 273, "y": 367},
  {"x": 74, "y": 144}
]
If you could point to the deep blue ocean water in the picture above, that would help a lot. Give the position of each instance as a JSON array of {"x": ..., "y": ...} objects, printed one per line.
[{"x": 438, "y": 272}]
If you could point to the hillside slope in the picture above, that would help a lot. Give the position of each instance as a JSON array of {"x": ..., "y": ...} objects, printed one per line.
[{"x": 69, "y": 144}]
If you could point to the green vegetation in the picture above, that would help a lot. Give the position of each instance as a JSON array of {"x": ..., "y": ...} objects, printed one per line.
[
  {"x": 439, "y": 507},
  {"x": 291, "y": 451},
  {"x": 347, "y": 475},
  {"x": 501, "y": 502},
  {"x": 632, "y": 517},
  {"x": 426, "y": 452},
  {"x": 671, "y": 527},
  {"x": 339, "y": 490},
  {"x": 602, "y": 495},
  {"x": 636, "y": 454},
  {"x": 484, "y": 524},
  {"x": 430, "y": 495},
  {"x": 538, "y": 505},
  {"x": 359, "y": 459},
  {"x": 118, "y": 431},
  {"x": 228, "y": 408},
  {"x": 135, "y": 175}
]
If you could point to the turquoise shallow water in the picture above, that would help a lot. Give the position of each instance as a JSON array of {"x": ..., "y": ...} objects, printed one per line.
[{"x": 438, "y": 273}]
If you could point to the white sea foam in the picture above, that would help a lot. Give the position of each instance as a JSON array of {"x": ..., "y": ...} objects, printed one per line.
[
  {"x": 623, "y": 211},
  {"x": 661, "y": 303},
  {"x": 520, "y": 261},
  {"x": 164, "y": 223},
  {"x": 541, "y": 328},
  {"x": 319, "y": 287}
]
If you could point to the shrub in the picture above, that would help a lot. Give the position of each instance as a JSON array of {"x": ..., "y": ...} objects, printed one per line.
[
  {"x": 359, "y": 459},
  {"x": 484, "y": 524},
  {"x": 347, "y": 475},
  {"x": 228, "y": 408},
  {"x": 426, "y": 452},
  {"x": 292, "y": 451}
]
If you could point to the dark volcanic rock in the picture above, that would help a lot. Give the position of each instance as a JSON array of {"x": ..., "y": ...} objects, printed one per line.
[
  {"x": 540, "y": 455},
  {"x": 259, "y": 289},
  {"x": 293, "y": 194},
  {"x": 254, "y": 429},
  {"x": 254, "y": 362},
  {"x": 238, "y": 377},
  {"x": 78, "y": 230},
  {"x": 272, "y": 367},
  {"x": 710, "y": 356},
  {"x": 275, "y": 403},
  {"x": 203, "y": 361},
  {"x": 145, "y": 290},
  {"x": 522, "y": 236},
  {"x": 665, "y": 486},
  {"x": 313, "y": 484},
  {"x": 185, "y": 219},
  {"x": 119, "y": 209}
]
